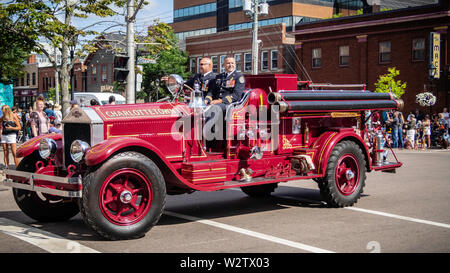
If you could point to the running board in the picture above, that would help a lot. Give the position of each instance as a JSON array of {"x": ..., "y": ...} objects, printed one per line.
[{"x": 261, "y": 181}]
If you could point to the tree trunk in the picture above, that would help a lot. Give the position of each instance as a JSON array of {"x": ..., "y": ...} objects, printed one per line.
[{"x": 65, "y": 78}]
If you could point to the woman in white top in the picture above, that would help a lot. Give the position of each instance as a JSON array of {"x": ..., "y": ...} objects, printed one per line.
[
  {"x": 58, "y": 114},
  {"x": 427, "y": 131}
]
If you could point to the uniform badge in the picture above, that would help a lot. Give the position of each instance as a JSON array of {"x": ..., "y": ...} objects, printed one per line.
[
  {"x": 241, "y": 79},
  {"x": 230, "y": 83}
]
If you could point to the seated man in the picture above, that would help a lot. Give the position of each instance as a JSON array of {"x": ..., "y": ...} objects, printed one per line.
[
  {"x": 228, "y": 88},
  {"x": 205, "y": 79}
]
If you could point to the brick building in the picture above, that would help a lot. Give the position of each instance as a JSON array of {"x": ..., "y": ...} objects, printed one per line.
[
  {"x": 220, "y": 28},
  {"x": 217, "y": 28},
  {"x": 25, "y": 88},
  {"x": 276, "y": 50},
  {"x": 358, "y": 49}
]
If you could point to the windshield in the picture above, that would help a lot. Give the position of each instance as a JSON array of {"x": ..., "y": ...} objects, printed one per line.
[{"x": 117, "y": 102}]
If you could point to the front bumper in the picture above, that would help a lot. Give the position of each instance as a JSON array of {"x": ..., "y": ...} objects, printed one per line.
[{"x": 61, "y": 186}]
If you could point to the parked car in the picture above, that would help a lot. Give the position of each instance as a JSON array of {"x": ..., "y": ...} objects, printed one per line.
[{"x": 84, "y": 98}]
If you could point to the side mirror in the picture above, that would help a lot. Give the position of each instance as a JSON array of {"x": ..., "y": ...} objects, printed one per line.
[{"x": 175, "y": 84}]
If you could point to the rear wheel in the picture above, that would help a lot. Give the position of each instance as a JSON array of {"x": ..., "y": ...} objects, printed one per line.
[
  {"x": 41, "y": 206},
  {"x": 124, "y": 198},
  {"x": 345, "y": 175}
]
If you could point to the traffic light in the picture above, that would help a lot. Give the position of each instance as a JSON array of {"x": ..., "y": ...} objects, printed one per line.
[{"x": 120, "y": 68}]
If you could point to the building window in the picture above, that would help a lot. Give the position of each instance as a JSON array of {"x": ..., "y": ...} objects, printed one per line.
[
  {"x": 28, "y": 79},
  {"x": 418, "y": 50},
  {"x": 192, "y": 66},
  {"x": 198, "y": 64},
  {"x": 344, "y": 55},
  {"x": 214, "y": 61},
  {"x": 237, "y": 58},
  {"x": 33, "y": 78},
  {"x": 194, "y": 10},
  {"x": 104, "y": 73},
  {"x": 222, "y": 61},
  {"x": 94, "y": 74},
  {"x": 264, "y": 60},
  {"x": 316, "y": 57},
  {"x": 385, "y": 52},
  {"x": 247, "y": 62},
  {"x": 274, "y": 60}
]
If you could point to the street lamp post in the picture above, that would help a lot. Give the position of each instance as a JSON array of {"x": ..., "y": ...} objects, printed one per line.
[
  {"x": 253, "y": 9},
  {"x": 432, "y": 75},
  {"x": 72, "y": 50}
]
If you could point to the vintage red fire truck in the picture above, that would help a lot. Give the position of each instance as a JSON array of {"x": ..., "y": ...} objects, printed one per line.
[{"x": 116, "y": 163}]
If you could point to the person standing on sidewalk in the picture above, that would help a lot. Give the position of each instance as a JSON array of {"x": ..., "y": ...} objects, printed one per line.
[
  {"x": 40, "y": 123},
  {"x": 427, "y": 131},
  {"x": 9, "y": 128},
  {"x": 401, "y": 122}
]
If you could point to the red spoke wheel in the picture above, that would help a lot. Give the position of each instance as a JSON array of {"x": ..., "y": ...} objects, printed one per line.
[
  {"x": 123, "y": 198},
  {"x": 345, "y": 175}
]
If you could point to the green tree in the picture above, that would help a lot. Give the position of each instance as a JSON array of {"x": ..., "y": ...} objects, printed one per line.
[
  {"x": 14, "y": 49},
  {"x": 52, "y": 20},
  {"x": 387, "y": 83},
  {"x": 169, "y": 60}
]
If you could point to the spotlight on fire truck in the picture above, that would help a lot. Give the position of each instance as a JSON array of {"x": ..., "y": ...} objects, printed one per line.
[
  {"x": 47, "y": 148},
  {"x": 175, "y": 83},
  {"x": 78, "y": 149}
]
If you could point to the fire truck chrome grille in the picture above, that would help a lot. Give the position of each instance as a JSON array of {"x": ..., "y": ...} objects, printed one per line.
[{"x": 72, "y": 132}]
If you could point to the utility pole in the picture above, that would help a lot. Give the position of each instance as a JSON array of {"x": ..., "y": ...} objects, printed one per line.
[
  {"x": 255, "y": 44},
  {"x": 130, "y": 90},
  {"x": 253, "y": 9}
]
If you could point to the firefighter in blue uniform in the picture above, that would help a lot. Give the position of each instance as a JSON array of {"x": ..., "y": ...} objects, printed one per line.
[
  {"x": 229, "y": 86},
  {"x": 205, "y": 79}
]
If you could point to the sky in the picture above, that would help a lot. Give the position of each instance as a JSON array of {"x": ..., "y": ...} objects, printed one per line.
[{"x": 162, "y": 9}]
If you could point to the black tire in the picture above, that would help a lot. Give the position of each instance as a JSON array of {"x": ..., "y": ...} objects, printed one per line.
[
  {"x": 40, "y": 206},
  {"x": 137, "y": 173},
  {"x": 337, "y": 187},
  {"x": 264, "y": 190}
]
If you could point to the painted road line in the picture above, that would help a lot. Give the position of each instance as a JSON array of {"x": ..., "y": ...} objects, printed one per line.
[
  {"x": 380, "y": 213},
  {"x": 43, "y": 239},
  {"x": 410, "y": 219},
  {"x": 249, "y": 233}
]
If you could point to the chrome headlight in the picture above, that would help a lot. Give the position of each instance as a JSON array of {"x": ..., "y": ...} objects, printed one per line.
[
  {"x": 47, "y": 148},
  {"x": 78, "y": 149}
]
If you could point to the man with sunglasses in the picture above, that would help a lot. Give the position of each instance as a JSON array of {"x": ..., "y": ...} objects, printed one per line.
[{"x": 205, "y": 79}]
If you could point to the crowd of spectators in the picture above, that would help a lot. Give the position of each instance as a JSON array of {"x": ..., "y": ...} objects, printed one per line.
[{"x": 417, "y": 130}]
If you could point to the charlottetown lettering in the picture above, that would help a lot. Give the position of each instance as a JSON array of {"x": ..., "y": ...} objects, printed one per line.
[{"x": 142, "y": 113}]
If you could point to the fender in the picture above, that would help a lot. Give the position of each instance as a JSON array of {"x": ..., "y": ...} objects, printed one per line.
[
  {"x": 33, "y": 144},
  {"x": 326, "y": 142},
  {"x": 103, "y": 150}
]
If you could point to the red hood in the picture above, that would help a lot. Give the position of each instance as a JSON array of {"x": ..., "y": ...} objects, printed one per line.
[{"x": 120, "y": 112}]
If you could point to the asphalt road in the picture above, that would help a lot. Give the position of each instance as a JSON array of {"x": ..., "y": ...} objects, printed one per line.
[{"x": 403, "y": 212}]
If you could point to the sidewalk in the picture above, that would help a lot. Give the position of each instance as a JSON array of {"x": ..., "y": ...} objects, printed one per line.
[{"x": 11, "y": 160}]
